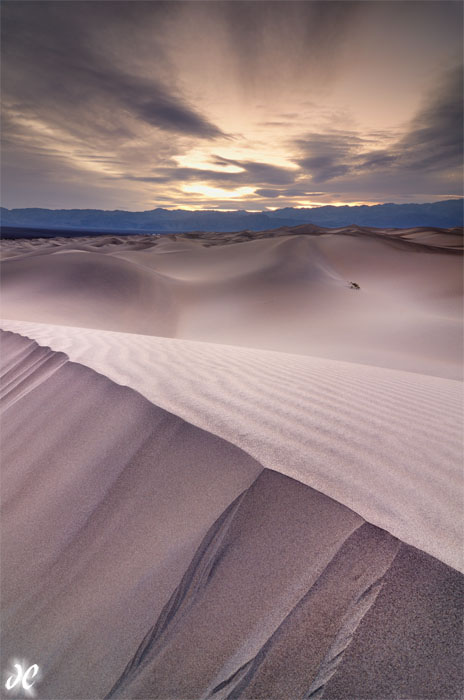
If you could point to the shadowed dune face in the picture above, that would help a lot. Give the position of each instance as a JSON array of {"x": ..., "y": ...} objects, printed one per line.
[
  {"x": 420, "y": 652},
  {"x": 98, "y": 291},
  {"x": 105, "y": 498},
  {"x": 282, "y": 600},
  {"x": 288, "y": 291}
]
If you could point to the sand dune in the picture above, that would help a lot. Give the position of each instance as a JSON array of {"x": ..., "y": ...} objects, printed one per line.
[
  {"x": 450, "y": 239},
  {"x": 303, "y": 590},
  {"x": 385, "y": 443},
  {"x": 255, "y": 566},
  {"x": 105, "y": 499},
  {"x": 288, "y": 291},
  {"x": 138, "y": 547},
  {"x": 226, "y": 473}
]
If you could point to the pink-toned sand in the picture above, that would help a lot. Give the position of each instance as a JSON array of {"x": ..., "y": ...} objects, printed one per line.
[{"x": 246, "y": 480}]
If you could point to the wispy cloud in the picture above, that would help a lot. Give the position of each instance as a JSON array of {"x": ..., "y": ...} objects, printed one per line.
[
  {"x": 434, "y": 139},
  {"x": 325, "y": 156},
  {"x": 55, "y": 72},
  {"x": 432, "y": 142},
  {"x": 252, "y": 173}
]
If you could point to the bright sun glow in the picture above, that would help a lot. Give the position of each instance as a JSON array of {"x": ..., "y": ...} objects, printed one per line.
[{"x": 207, "y": 191}]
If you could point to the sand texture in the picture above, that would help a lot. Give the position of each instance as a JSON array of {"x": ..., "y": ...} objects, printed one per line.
[
  {"x": 227, "y": 474},
  {"x": 332, "y": 617},
  {"x": 105, "y": 499},
  {"x": 385, "y": 443},
  {"x": 240, "y": 581}
]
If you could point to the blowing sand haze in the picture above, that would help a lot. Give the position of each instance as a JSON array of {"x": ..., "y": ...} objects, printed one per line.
[{"x": 231, "y": 360}]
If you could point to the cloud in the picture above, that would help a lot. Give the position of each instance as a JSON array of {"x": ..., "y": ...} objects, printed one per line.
[
  {"x": 432, "y": 142},
  {"x": 112, "y": 96},
  {"x": 252, "y": 173},
  {"x": 272, "y": 40},
  {"x": 150, "y": 101},
  {"x": 57, "y": 71},
  {"x": 326, "y": 156},
  {"x": 268, "y": 193},
  {"x": 290, "y": 192},
  {"x": 259, "y": 172},
  {"x": 434, "y": 139}
]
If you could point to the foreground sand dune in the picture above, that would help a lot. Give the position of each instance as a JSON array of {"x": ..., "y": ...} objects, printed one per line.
[
  {"x": 105, "y": 499},
  {"x": 353, "y": 612},
  {"x": 386, "y": 443},
  {"x": 139, "y": 547}
]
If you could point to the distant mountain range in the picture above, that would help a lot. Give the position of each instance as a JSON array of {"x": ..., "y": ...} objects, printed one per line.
[{"x": 445, "y": 214}]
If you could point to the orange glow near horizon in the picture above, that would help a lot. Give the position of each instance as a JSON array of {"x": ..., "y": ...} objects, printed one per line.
[
  {"x": 334, "y": 203},
  {"x": 218, "y": 192}
]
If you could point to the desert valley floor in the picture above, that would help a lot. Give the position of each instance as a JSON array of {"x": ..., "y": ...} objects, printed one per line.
[{"x": 227, "y": 473}]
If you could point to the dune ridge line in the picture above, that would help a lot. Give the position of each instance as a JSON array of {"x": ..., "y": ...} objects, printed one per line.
[{"x": 385, "y": 443}]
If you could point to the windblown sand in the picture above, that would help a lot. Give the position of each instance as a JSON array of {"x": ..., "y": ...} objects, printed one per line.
[{"x": 226, "y": 473}]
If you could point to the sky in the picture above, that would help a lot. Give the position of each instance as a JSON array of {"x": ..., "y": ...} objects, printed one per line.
[{"x": 230, "y": 105}]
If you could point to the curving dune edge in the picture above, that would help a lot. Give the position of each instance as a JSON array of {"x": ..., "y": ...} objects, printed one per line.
[
  {"x": 385, "y": 443},
  {"x": 133, "y": 540}
]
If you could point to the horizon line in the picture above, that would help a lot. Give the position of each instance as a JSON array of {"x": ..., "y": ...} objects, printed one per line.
[{"x": 450, "y": 198}]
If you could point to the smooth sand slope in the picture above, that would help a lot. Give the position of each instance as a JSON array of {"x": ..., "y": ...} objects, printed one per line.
[
  {"x": 286, "y": 290},
  {"x": 385, "y": 443},
  {"x": 146, "y": 558}
]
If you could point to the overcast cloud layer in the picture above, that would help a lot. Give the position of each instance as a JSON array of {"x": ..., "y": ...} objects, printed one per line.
[{"x": 234, "y": 105}]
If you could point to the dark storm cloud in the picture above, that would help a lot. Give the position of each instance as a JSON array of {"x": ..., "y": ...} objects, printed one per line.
[{"x": 57, "y": 70}]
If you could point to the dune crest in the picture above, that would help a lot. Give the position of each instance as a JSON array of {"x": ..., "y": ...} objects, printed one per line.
[
  {"x": 138, "y": 547},
  {"x": 385, "y": 443},
  {"x": 105, "y": 499}
]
